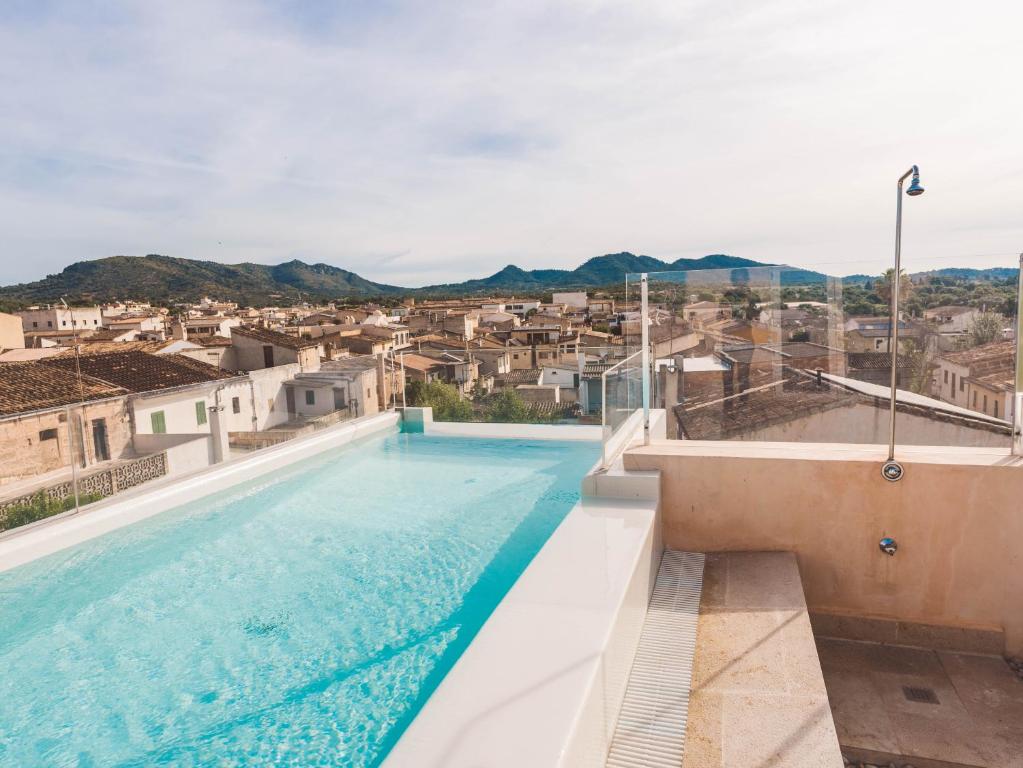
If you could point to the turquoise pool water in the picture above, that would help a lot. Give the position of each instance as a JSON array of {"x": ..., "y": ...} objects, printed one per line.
[{"x": 302, "y": 620}]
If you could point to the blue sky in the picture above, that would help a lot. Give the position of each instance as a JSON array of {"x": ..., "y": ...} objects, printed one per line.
[{"x": 417, "y": 142}]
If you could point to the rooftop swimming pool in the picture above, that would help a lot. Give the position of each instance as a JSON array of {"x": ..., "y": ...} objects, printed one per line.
[{"x": 300, "y": 620}]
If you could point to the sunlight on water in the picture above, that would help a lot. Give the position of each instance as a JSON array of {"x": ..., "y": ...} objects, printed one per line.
[{"x": 301, "y": 620}]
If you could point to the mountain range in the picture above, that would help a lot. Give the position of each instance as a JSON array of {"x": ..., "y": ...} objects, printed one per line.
[{"x": 169, "y": 280}]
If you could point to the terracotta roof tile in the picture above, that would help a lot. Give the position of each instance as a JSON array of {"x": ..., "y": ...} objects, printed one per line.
[
  {"x": 34, "y": 386},
  {"x": 273, "y": 337},
  {"x": 138, "y": 371}
]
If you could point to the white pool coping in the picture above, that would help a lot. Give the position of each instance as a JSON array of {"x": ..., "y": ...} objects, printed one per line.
[
  {"x": 542, "y": 682},
  {"x": 573, "y": 432},
  {"x": 54, "y": 534}
]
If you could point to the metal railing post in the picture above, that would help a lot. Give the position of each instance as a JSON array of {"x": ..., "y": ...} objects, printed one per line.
[
  {"x": 645, "y": 358},
  {"x": 603, "y": 419},
  {"x": 1017, "y": 391}
]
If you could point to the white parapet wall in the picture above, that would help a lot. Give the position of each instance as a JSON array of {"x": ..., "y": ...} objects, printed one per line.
[{"x": 49, "y": 536}]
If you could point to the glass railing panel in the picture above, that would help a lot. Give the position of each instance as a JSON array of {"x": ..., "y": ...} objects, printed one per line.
[
  {"x": 622, "y": 394},
  {"x": 959, "y": 348},
  {"x": 805, "y": 354}
]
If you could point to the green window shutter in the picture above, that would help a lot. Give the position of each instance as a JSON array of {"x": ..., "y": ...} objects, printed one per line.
[
  {"x": 200, "y": 412},
  {"x": 159, "y": 423}
]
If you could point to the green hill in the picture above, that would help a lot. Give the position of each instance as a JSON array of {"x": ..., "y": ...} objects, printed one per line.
[
  {"x": 166, "y": 279},
  {"x": 170, "y": 280}
]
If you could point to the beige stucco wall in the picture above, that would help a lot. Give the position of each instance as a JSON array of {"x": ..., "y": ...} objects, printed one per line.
[
  {"x": 11, "y": 334},
  {"x": 957, "y": 516}
]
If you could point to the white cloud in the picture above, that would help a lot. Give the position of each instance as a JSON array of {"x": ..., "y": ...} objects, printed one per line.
[{"x": 417, "y": 143}]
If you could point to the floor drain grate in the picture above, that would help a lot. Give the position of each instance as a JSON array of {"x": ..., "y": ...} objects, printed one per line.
[
  {"x": 651, "y": 728},
  {"x": 920, "y": 695}
]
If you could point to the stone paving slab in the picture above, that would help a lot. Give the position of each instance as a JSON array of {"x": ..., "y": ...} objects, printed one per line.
[
  {"x": 758, "y": 697},
  {"x": 975, "y": 718}
]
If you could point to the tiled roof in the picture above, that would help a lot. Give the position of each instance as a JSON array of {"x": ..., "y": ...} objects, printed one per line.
[
  {"x": 520, "y": 376},
  {"x": 104, "y": 334},
  {"x": 875, "y": 361},
  {"x": 793, "y": 397},
  {"x": 273, "y": 337},
  {"x": 554, "y": 410},
  {"x": 751, "y": 354},
  {"x": 995, "y": 351},
  {"x": 34, "y": 386},
  {"x": 1004, "y": 380},
  {"x": 138, "y": 371},
  {"x": 420, "y": 362},
  {"x": 212, "y": 341},
  {"x": 103, "y": 347}
]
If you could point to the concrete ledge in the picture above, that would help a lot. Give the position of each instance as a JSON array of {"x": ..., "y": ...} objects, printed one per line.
[
  {"x": 121, "y": 510},
  {"x": 907, "y": 454},
  {"x": 616, "y": 483}
]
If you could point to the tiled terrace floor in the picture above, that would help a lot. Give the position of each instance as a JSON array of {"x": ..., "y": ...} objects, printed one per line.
[{"x": 978, "y": 720}]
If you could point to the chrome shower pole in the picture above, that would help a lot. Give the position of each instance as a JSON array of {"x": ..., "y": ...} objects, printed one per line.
[
  {"x": 892, "y": 470},
  {"x": 1017, "y": 391}
]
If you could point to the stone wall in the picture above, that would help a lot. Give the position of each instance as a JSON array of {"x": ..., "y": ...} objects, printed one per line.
[
  {"x": 34, "y": 444},
  {"x": 956, "y": 516}
]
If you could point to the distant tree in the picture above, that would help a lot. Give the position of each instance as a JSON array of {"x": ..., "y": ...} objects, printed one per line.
[
  {"x": 986, "y": 327},
  {"x": 920, "y": 365},
  {"x": 885, "y": 288},
  {"x": 507, "y": 407},
  {"x": 445, "y": 400}
]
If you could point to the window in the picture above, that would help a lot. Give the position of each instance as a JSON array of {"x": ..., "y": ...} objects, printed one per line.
[
  {"x": 159, "y": 423},
  {"x": 974, "y": 398},
  {"x": 985, "y": 403},
  {"x": 953, "y": 385},
  {"x": 962, "y": 384},
  {"x": 996, "y": 409},
  {"x": 35, "y": 324},
  {"x": 49, "y": 323},
  {"x": 268, "y": 356},
  {"x": 200, "y": 412},
  {"x": 946, "y": 377},
  {"x": 47, "y": 434},
  {"x": 310, "y": 397},
  {"x": 64, "y": 323},
  {"x": 236, "y": 405}
]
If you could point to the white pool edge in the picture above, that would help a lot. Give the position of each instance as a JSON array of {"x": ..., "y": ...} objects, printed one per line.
[
  {"x": 54, "y": 534},
  {"x": 543, "y": 681}
]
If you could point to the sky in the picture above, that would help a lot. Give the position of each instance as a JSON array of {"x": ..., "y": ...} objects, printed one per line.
[{"x": 418, "y": 143}]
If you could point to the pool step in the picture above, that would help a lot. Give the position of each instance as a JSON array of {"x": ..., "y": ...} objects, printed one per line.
[{"x": 651, "y": 726}]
